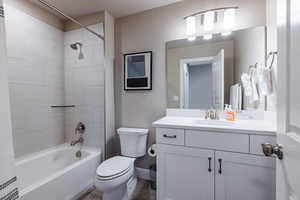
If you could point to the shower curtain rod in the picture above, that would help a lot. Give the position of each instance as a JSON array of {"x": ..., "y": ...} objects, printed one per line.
[{"x": 48, "y": 5}]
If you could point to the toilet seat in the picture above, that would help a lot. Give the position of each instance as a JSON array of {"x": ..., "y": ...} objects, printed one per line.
[{"x": 114, "y": 167}]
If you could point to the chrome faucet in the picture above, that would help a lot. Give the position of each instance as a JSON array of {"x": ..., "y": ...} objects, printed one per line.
[
  {"x": 80, "y": 141},
  {"x": 212, "y": 114}
]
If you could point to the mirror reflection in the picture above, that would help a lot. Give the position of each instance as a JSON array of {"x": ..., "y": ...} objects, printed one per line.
[{"x": 205, "y": 74}]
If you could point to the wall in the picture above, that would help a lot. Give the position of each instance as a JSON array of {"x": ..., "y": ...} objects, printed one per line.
[
  {"x": 108, "y": 86},
  {"x": 87, "y": 20},
  {"x": 84, "y": 86},
  {"x": 6, "y": 146},
  {"x": 150, "y": 30},
  {"x": 272, "y": 47},
  {"x": 36, "y": 82},
  {"x": 254, "y": 40},
  {"x": 174, "y": 55},
  {"x": 45, "y": 71},
  {"x": 37, "y": 12}
]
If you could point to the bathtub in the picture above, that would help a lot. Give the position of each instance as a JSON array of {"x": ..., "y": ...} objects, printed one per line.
[{"x": 56, "y": 174}]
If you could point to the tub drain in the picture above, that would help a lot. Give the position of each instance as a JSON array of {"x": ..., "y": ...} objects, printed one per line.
[{"x": 78, "y": 154}]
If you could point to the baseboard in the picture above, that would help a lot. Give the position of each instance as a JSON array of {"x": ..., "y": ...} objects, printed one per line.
[{"x": 143, "y": 173}]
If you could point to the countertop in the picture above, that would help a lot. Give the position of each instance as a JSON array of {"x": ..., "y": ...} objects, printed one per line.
[{"x": 255, "y": 127}]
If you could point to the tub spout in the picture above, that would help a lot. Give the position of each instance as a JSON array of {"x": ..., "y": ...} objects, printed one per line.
[{"x": 80, "y": 140}]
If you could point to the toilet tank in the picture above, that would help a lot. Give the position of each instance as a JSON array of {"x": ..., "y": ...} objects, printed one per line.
[{"x": 133, "y": 141}]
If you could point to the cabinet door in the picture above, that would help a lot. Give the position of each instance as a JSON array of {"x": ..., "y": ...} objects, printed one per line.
[
  {"x": 184, "y": 173},
  {"x": 244, "y": 177}
]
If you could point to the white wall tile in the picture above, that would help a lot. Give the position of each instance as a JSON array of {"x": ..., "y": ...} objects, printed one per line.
[
  {"x": 90, "y": 38},
  {"x": 36, "y": 81},
  {"x": 84, "y": 86},
  {"x": 45, "y": 71}
]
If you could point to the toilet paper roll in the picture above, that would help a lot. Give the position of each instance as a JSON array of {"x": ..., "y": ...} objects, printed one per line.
[{"x": 152, "y": 150}]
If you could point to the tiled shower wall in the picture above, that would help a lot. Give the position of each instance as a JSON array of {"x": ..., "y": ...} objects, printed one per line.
[
  {"x": 36, "y": 81},
  {"x": 43, "y": 71},
  {"x": 84, "y": 85}
]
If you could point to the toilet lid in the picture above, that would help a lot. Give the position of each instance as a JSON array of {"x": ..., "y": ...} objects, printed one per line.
[{"x": 114, "y": 166}]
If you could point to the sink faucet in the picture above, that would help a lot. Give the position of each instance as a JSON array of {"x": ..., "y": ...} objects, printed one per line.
[
  {"x": 80, "y": 141},
  {"x": 211, "y": 114}
]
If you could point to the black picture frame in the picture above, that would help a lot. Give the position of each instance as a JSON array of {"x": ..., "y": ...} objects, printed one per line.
[{"x": 138, "y": 83}]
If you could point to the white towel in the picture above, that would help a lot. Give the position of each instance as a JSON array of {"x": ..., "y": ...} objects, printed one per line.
[
  {"x": 240, "y": 97},
  {"x": 246, "y": 81},
  {"x": 265, "y": 81},
  {"x": 255, "y": 93},
  {"x": 236, "y": 97}
]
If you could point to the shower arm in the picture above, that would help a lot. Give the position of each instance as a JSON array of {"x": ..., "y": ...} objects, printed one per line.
[{"x": 48, "y": 5}]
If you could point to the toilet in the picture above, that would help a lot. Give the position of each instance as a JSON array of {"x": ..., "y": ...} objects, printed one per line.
[{"x": 116, "y": 176}]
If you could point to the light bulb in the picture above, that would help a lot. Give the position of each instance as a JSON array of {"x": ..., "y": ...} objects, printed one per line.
[
  {"x": 207, "y": 37},
  {"x": 191, "y": 28},
  {"x": 226, "y": 33},
  {"x": 229, "y": 19},
  {"x": 191, "y": 38},
  {"x": 209, "y": 20}
]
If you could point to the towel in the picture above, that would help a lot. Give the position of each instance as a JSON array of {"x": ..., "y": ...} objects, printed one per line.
[
  {"x": 236, "y": 97},
  {"x": 246, "y": 81},
  {"x": 249, "y": 81},
  {"x": 265, "y": 81},
  {"x": 254, "y": 84},
  {"x": 9, "y": 189}
]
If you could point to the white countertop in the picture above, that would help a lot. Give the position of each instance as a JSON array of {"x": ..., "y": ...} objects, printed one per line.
[{"x": 259, "y": 127}]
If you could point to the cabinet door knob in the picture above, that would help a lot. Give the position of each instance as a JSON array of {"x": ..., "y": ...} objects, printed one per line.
[
  {"x": 220, "y": 166},
  {"x": 170, "y": 136},
  {"x": 209, "y": 164},
  {"x": 270, "y": 150}
]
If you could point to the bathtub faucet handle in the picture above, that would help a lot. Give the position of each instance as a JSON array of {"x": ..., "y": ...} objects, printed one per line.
[{"x": 80, "y": 128}]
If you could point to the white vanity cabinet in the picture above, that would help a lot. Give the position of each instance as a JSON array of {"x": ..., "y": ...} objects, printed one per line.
[
  {"x": 210, "y": 165},
  {"x": 185, "y": 173},
  {"x": 244, "y": 177}
]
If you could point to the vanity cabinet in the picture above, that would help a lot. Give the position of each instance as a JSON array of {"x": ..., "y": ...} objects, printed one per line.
[
  {"x": 244, "y": 177},
  {"x": 185, "y": 173},
  {"x": 196, "y": 165}
]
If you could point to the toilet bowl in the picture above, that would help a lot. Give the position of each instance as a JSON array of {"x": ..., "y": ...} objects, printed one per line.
[
  {"x": 113, "y": 177},
  {"x": 116, "y": 176}
]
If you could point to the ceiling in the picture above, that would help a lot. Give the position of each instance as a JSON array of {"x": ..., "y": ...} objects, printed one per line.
[{"x": 117, "y": 8}]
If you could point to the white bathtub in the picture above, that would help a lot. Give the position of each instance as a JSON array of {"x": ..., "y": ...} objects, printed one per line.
[{"x": 56, "y": 174}]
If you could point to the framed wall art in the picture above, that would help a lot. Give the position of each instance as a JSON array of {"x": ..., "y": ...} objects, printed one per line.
[{"x": 138, "y": 71}]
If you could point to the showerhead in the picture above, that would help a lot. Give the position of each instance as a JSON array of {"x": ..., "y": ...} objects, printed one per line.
[{"x": 75, "y": 46}]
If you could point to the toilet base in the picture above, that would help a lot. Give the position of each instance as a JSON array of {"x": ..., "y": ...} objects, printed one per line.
[
  {"x": 119, "y": 193},
  {"x": 123, "y": 192}
]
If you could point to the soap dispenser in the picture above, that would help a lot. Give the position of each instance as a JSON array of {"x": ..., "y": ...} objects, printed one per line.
[{"x": 229, "y": 113}]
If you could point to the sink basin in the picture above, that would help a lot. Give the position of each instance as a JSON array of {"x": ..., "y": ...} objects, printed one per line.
[{"x": 214, "y": 122}]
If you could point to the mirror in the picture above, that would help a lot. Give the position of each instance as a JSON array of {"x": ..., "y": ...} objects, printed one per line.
[{"x": 200, "y": 73}]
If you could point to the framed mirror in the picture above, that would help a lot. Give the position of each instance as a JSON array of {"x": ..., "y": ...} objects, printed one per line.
[{"x": 200, "y": 73}]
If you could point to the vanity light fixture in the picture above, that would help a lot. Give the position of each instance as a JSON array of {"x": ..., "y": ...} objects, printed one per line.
[
  {"x": 226, "y": 33},
  {"x": 208, "y": 37},
  {"x": 209, "y": 19},
  {"x": 191, "y": 28},
  {"x": 229, "y": 19},
  {"x": 191, "y": 38}
]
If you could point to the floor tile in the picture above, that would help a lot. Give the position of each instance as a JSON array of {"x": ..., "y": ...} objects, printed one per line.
[{"x": 143, "y": 191}]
